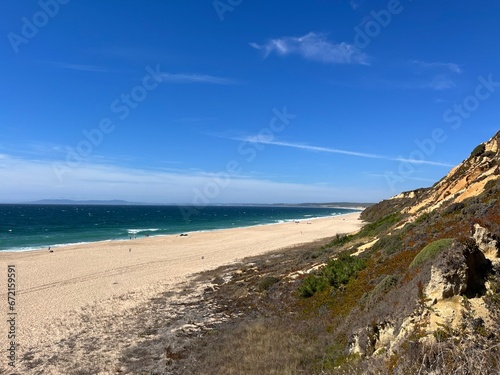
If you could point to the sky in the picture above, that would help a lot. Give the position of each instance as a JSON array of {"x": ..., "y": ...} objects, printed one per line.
[{"x": 239, "y": 101}]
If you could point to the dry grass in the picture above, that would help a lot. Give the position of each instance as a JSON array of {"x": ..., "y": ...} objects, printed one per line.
[{"x": 259, "y": 347}]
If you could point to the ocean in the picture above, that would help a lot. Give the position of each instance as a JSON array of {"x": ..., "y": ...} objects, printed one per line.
[{"x": 30, "y": 227}]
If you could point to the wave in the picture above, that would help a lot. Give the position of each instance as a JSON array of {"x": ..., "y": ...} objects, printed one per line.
[{"x": 137, "y": 231}]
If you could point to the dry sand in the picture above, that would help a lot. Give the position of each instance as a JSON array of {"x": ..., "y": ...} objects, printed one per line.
[{"x": 55, "y": 287}]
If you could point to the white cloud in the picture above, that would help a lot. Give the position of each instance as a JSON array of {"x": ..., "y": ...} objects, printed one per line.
[
  {"x": 263, "y": 140},
  {"x": 441, "y": 82},
  {"x": 314, "y": 47},
  {"x": 452, "y": 67},
  {"x": 27, "y": 180},
  {"x": 257, "y": 139},
  {"x": 79, "y": 67},
  {"x": 196, "y": 78}
]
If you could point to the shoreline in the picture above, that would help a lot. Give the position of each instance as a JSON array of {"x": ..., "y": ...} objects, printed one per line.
[
  {"x": 63, "y": 245},
  {"x": 103, "y": 279}
]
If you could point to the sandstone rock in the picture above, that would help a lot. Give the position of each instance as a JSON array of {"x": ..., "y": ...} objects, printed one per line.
[
  {"x": 449, "y": 276},
  {"x": 487, "y": 243}
]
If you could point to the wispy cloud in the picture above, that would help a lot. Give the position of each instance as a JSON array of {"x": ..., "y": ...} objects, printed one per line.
[
  {"x": 451, "y": 67},
  {"x": 99, "y": 181},
  {"x": 441, "y": 75},
  {"x": 80, "y": 67},
  {"x": 196, "y": 78},
  {"x": 441, "y": 82},
  {"x": 263, "y": 140},
  {"x": 314, "y": 47}
]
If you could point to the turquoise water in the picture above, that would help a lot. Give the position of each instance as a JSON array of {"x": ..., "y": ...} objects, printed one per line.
[{"x": 27, "y": 227}]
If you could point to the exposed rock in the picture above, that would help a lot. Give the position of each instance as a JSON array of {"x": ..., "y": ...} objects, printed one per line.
[
  {"x": 449, "y": 276},
  {"x": 373, "y": 340},
  {"x": 487, "y": 243}
]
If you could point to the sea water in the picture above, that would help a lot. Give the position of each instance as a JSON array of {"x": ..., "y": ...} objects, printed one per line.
[{"x": 29, "y": 227}]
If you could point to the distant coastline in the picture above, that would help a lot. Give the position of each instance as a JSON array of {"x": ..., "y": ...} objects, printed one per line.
[{"x": 117, "y": 202}]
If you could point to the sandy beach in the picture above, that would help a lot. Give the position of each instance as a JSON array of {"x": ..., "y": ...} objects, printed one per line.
[{"x": 53, "y": 288}]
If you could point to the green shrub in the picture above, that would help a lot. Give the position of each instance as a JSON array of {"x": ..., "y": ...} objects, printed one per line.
[
  {"x": 431, "y": 251},
  {"x": 379, "y": 226},
  {"x": 478, "y": 151},
  {"x": 339, "y": 271},
  {"x": 336, "y": 273},
  {"x": 312, "y": 284},
  {"x": 341, "y": 240}
]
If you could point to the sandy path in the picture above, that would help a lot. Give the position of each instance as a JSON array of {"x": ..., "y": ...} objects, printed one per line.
[{"x": 51, "y": 285}]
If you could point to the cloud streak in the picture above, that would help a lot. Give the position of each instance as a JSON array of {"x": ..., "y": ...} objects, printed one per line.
[
  {"x": 314, "y": 47},
  {"x": 108, "y": 181},
  {"x": 196, "y": 78},
  {"x": 452, "y": 67},
  {"x": 80, "y": 67},
  {"x": 263, "y": 140}
]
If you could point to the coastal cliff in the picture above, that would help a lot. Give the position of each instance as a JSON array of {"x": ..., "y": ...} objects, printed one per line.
[{"x": 416, "y": 290}]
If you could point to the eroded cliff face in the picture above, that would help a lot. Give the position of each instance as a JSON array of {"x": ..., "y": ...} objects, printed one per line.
[
  {"x": 455, "y": 291},
  {"x": 465, "y": 180},
  {"x": 457, "y": 285}
]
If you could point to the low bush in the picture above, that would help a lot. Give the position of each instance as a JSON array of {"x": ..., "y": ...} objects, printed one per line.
[
  {"x": 431, "y": 251},
  {"x": 336, "y": 273},
  {"x": 379, "y": 226},
  {"x": 453, "y": 208},
  {"x": 478, "y": 151},
  {"x": 389, "y": 244}
]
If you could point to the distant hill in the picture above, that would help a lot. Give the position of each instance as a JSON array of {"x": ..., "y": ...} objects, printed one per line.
[
  {"x": 125, "y": 203},
  {"x": 84, "y": 202}
]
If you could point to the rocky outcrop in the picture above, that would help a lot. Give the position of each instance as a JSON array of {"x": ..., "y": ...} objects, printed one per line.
[
  {"x": 449, "y": 275},
  {"x": 461, "y": 270},
  {"x": 487, "y": 243}
]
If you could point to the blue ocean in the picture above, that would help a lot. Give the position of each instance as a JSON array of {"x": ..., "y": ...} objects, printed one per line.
[{"x": 29, "y": 227}]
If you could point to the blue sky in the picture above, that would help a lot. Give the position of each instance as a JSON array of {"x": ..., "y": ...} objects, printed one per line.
[{"x": 239, "y": 101}]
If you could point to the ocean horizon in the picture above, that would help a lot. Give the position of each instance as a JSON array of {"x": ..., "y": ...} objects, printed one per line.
[{"x": 26, "y": 227}]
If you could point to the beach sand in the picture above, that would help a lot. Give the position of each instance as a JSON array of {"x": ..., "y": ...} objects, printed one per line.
[{"x": 55, "y": 288}]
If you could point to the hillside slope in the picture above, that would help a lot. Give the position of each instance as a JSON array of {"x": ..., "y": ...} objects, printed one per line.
[{"x": 416, "y": 290}]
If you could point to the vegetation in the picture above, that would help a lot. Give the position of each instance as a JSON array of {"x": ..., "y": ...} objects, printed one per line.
[
  {"x": 306, "y": 324},
  {"x": 478, "y": 151},
  {"x": 335, "y": 274},
  {"x": 380, "y": 225},
  {"x": 267, "y": 282},
  {"x": 431, "y": 251}
]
